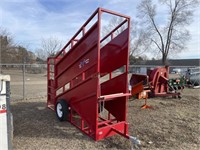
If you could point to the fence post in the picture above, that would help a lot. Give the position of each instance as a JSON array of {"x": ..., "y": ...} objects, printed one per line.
[{"x": 23, "y": 81}]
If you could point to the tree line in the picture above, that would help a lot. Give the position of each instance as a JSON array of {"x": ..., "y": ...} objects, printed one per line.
[
  {"x": 12, "y": 53},
  {"x": 147, "y": 34}
]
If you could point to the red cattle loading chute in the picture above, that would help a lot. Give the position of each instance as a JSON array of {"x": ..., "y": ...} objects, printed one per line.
[{"x": 75, "y": 88}]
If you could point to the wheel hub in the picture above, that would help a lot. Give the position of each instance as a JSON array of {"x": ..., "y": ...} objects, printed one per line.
[{"x": 59, "y": 110}]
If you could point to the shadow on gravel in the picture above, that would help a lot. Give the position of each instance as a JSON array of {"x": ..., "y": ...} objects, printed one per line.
[{"x": 34, "y": 119}]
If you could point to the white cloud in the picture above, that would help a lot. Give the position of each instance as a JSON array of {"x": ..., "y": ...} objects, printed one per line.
[
  {"x": 193, "y": 45},
  {"x": 31, "y": 20}
]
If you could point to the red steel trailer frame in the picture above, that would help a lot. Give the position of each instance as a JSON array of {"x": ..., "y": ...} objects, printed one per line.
[{"x": 75, "y": 77}]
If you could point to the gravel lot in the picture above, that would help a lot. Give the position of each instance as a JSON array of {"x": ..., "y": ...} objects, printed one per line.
[{"x": 171, "y": 124}]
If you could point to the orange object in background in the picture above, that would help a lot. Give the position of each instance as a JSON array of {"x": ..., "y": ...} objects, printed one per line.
[
  {"x": 139, "y": 89},
  {"x": 143, "y": 94},
  {"x": 156, "y": 80}
]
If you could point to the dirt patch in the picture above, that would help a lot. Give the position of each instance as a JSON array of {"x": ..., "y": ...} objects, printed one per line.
[{"x": 170, "y": 124}]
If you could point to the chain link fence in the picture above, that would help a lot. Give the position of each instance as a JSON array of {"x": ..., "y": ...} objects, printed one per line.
[
  {"x": 30, "y": 80},
  {"x": 27, "y": 80},
  {"x": 142, "y": 69}
]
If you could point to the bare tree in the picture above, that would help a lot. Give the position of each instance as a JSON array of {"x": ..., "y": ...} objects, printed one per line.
[
  {"x": 49, "y": 47},
  {"x": 171, "y": 35},
  {"x": 6, "y": 45},
  {"x": 5, "y": 39},
  {"x": 10, "y": 52}
]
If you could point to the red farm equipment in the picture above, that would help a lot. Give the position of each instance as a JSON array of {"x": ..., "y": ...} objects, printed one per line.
[
  {"x": 75, "y": 90},
  {"x": 156, "y": 83}
]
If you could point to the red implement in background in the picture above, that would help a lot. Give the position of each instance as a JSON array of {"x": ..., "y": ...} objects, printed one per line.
[
  {"x": 98, "y": 108},
  {"x": 156, "y": 81}
]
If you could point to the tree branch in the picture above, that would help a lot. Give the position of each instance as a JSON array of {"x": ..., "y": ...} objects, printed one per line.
[
  {"x": 170, "y": 30},
  {"x": 157, "y": 45}
]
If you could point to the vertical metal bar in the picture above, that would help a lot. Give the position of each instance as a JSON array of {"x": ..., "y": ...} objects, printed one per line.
[
  {"x": 110, "y": 75},
  {"x": 112, "y": 36},
  {"x": 9, "y": 116},
  {"x": 109, "y": 116},
  {"x": 99, "y": 37},
  {"x": 126, "y": 129},
  {"x": 23, "y": 81},
  {"x": 82, "y": 124},
  {"x": 98, "y": 71},
  {"x": 127, "y": 64},
  {"x": 54, "y": 80},
  {"x": 127, "y": 67},
  {"x": 72, "y": 43},
  {"x": 0, "y": 56},
  {"x": 83, "y": 76},
  {"x": 71, "y": 83},
  {"x": 48, "y": 97},
  {"x": 83, "y": 31}
]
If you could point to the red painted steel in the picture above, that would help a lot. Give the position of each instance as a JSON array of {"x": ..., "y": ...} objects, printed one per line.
[
  {"x": 159, "y": 82},
  {"x": 76, "y": 75},
  {"x": 156, "y": 80}
]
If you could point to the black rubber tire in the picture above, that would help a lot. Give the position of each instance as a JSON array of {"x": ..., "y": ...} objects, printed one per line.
[{"x": 65, "y": 110}]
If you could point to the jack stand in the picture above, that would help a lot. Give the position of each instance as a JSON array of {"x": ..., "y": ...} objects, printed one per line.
[{"x": 145, "y": 106}]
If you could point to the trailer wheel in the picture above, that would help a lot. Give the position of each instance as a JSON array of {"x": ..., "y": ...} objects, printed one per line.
[{"x": 62, "y": 110}]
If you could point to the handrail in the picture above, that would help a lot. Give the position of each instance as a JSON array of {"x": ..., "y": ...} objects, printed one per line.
[
  {"x": 82, "y": 29},
  {"x": 81, "y": 38},
  {"x": 114, "y": 13},
  {"x": 113, "y": 30}
]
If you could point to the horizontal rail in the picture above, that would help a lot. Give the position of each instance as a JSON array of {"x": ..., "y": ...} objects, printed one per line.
[
  {"x": 74, "y": 87},
  {"x": 57, "y": 88},
  {"x": 104, "y": 122},
  {"x": 82, "y": 29},
  {"x": 112, "y": 126},
  {"x": 51, "y": 94},
  {"x": 114, "y": 13},
  {"x": 84, "y": 98},
  {"x": 120, "y": 133},
  {"x": 113, "y": 30},
  {"x": 112, "y": 96},
  {"x": 77, "y": 58},
  {"x": 78, "y": 41},
  {"x": 50, "y": 106}
]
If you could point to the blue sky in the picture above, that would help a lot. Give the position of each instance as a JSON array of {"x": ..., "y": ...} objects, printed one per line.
[{"x": 30, "y": 20}]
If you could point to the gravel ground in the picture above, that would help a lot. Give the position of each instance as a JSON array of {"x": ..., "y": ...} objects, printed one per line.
[{"x": 170, "y": 124}]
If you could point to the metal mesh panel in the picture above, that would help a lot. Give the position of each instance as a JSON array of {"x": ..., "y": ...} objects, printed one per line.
[{"x": 27, "y": 80}]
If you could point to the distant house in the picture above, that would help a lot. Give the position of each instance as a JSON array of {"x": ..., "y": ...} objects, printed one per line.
[
  {"x": 171, "y": 62},
  {"x": 183, "y": 64}
]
